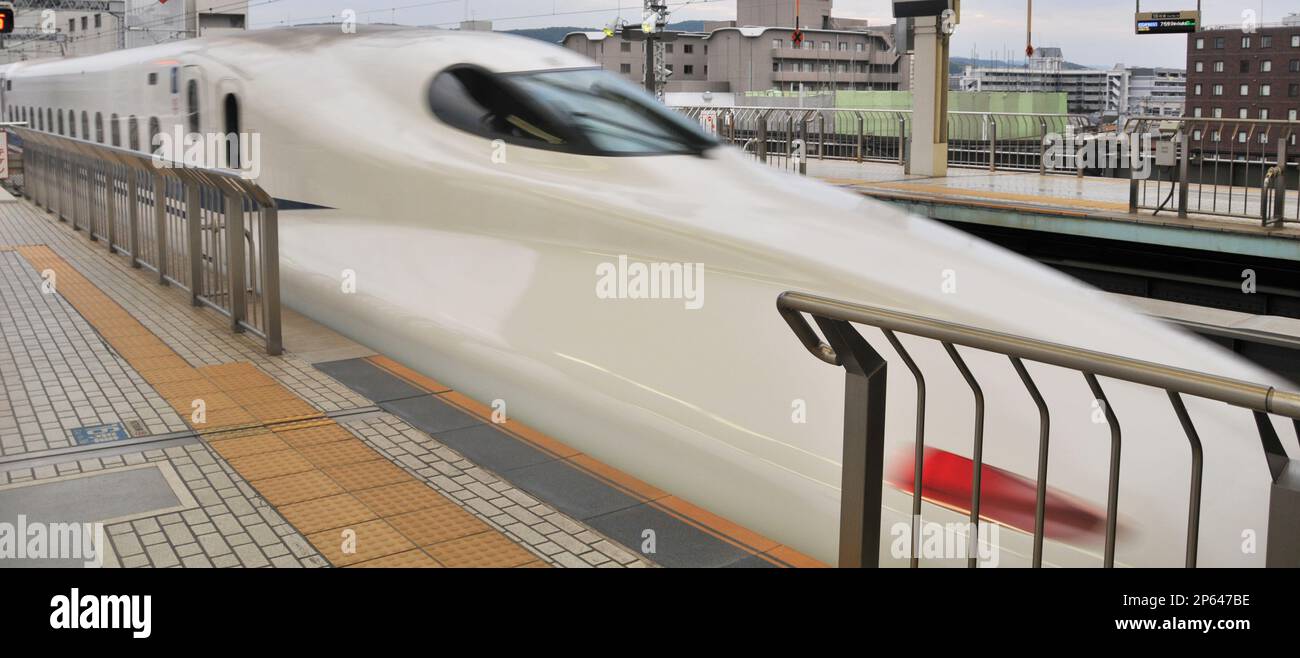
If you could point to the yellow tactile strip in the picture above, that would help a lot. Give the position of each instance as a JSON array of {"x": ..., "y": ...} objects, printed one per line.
[
  {"x": 352, "y": 504},
  {"x": 724, "y": 530}
]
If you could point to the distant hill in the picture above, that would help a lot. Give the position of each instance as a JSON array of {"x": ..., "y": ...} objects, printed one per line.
[
  {"x": 556, "y": 34},
  {"x": 957, "y": 65}
]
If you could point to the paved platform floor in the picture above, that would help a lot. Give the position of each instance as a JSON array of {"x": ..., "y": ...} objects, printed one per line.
[{"x": 124, "y": 405}]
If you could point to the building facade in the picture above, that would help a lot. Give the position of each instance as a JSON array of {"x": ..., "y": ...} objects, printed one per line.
[
  {"x": 1147, "y": 91},
  {"x": 1233, "y": 75},
  {"x": 1087, "y": 90},
  {"x": 41, "y": 34},
  {"x": 737, "y": 57}
]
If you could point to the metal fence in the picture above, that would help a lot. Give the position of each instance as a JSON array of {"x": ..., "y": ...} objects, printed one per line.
[
  {"x": 785, "y": 137},
  {"x": 1214, "y": 166},
  {"x": 208, "y": 231},
  {"x": 864, "y": 423}
]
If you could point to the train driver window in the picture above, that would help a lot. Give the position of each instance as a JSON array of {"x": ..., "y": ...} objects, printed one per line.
[
  {"x": 586, "y": 111},
  {"x": 474, "y": 101}
]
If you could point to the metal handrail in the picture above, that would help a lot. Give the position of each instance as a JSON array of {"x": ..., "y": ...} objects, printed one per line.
[
  {"x": 237, "y": 275},
  {"x": 864, "y": 416}
]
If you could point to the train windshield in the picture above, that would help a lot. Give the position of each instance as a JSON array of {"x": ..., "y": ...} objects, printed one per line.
[{"x": 579, "y": 111}]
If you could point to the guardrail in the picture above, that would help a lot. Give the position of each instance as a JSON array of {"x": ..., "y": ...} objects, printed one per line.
[
  {"x": 864, "y": 420},
  {"x": 1215, "y": 166},
  {"x": 207, "y": 231},
  {"x": 788, "y": 137}
]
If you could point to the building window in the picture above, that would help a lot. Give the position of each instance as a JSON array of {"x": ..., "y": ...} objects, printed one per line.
[
  {"x": 1218, "y": 90},
  {"x": 1245, "y": 42},
  {"x": 1293, "y": 90},
  {"x": 85, "y": 23},
  {"x": 1263, "y": 137},
  {"x": 625, "y": 47},
  {"x": 1218, "y": 43},
  {"x": 844, "y": 46},
  {"x": 72, "y": 26},
  {"x": 776, "y": 43},
  {"x": 1291, "y": 115},
  {"x": 1200, "y": 44},
  {"x": 1200, "y": 67},
  {"x": 1245, "y": 66},
  {"x": 1266, "y": 66},
  {"x": 861, "y": 47},
  {"x": 1241, "y": 137},
  {"x": 1196, "y": 90},
  {"x": 826, "y": 45},
  {"x": 1294, "y": 66},
  {"x": 688, "y": 48},
  {"x": 1295, "y": 40},
  {"x": 1266, "y": 41},
  {"x": 776, "y": 66},
  {"x": 668, "y": 47},
  {"x": 99, "y": 21},
  {"x": 1214, "y": 135},
  {"x": 1196, "y": 135},
  {"x": 1218, "y": 67},
  {"x": 1245, "y": 90},
  {"x": 1196, "y": 112},
  {"x": 1266, "y": 90},
  {"x": 1243, "y": 113},
  {"x": 1263, "y": 114},
  {"x": 688, "y": 69},
  {"x": 1218, "y": 113},
  {"x": 624, "y": 68},
  {"x": 808, "y": 45}
]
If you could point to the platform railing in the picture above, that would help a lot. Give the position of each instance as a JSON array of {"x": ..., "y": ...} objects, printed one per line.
[
  {"x": 864, "y": 420},
  {"x": 208, "y": 231},
  {"x": 785, "y": 137},
  {"x": 1243, "y": 168}
]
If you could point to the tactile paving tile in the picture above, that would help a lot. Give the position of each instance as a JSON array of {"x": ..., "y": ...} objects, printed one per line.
[
  {"x": 219, "y": 418},
  {"x": 278, "y": 410},
  {"x": 302, "y": 437},
  {"x": 190, "y": 388},
  {"x": 270, "y": 464},
  {"x": 326, "y": 513},
  {"x": 372, "y": 540},
  {"x": 169, "y": 376},
  {"x": 366, "y": 475},
  {"x": 145, "y": 351},
  {"x": 212, "y": 400},
  {"x": 262, "y": 395},
  {"x": 486, "y": 549},
  {"x": 240, "y": 381},
  {"x": 401, "y": 498},
  {"x": 148, "y": 363},
  {"x": 438, "y": 524},
  {"x": 248, "y": 445},
  {"x": 416, "y": 559},
  {"x": 227, "y": 369},
  {"x": 296, "y": 488},
  {"x": 338, "y": 453}
]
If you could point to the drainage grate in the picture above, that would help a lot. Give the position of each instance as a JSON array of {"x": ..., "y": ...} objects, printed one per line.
[
  {"x": 136, "y": 428},
  {"x": 85, "y": 436}
]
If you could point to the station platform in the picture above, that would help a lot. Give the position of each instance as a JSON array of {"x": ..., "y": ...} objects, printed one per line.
[
  {"x": 124, "y": 405},
  {"x": 1086, "y": 206}
]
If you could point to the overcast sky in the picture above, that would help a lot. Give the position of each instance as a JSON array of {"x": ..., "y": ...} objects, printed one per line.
[{"x": 1094, "y": 32}]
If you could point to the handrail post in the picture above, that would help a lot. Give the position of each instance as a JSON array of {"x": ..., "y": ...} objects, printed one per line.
[
  {"x": 1042, "y": 146},
  {"x": 865, "y": 375},
  {"x": 1279, "y": 198},
  {"x": 160, "y": 224},
  {"x": 133, "y": 215},
  {"x": 235, "y": 250},
  {"x": 193, "y": 226},
  {"x": 1184, "y": 156},
  {"x": 861, "y": 134},
  {"x": 270, "y": 253},
  {"x": 902, "y": 141},
  {"x": 110, "y": 207},
  {"x": 762, "y": 137},
  {"x": 993, "y": 143}
]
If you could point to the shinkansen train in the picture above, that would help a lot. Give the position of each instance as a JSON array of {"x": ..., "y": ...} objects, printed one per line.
[{"x": 497, "y": 197}]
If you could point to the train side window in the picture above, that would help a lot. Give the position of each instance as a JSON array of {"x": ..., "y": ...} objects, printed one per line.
[
  {"x": 85, "y": 126},
  {"x": 61, "y": 123},
  {"x": 192, "y": 100},
  {"x": 49, "y": 119},
  {"x": 153, "y": 79},
  {"x": 115, "y": 130},
  {"x": 99, "y": 127},
  {"x": 473, "y": 101},
  {"x": 133, "y": 133},
  {"x": 155, "y": 129},
  {"x": 72, "y": 123}
]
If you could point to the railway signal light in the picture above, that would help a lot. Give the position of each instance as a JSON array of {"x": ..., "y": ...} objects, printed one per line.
[{"x": 6, "y": 18}]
